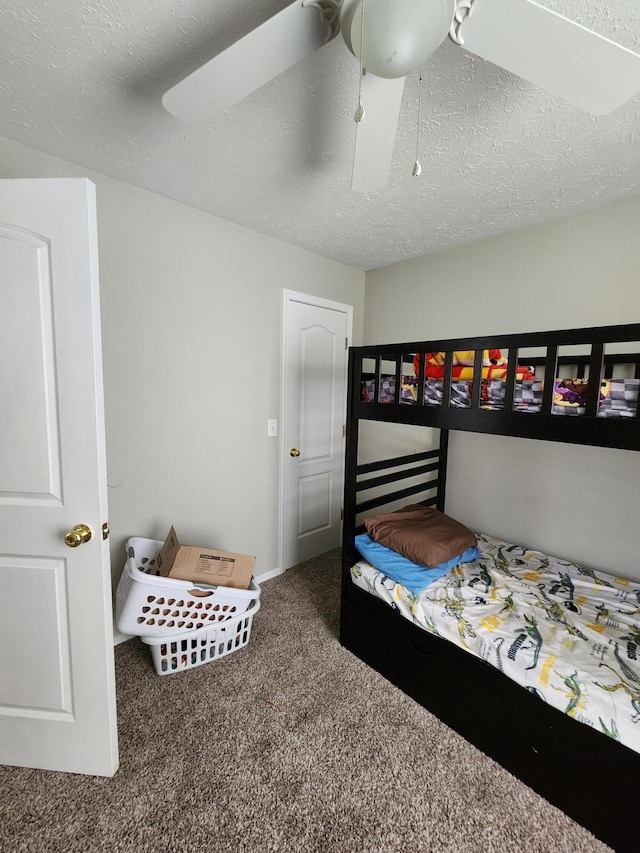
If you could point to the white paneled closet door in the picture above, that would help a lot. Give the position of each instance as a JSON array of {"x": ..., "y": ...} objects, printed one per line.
[{"x": 316, "y": 334}]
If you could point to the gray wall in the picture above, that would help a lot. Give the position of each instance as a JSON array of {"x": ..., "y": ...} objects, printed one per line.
[
  {"x": 580, "y": 503},
  {"x": 191, "y": 335},
  {"x": 191, "y": 317}
]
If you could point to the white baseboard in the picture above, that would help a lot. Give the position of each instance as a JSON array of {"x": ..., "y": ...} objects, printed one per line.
[
  {"x": 266, "y": 576},
  {"x": 120, "y": 638}
]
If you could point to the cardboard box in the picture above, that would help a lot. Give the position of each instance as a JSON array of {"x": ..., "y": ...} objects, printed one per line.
[{"x": 203, "y": 565}]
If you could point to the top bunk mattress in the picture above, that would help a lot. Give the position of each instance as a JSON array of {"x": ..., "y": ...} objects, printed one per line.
[{"x": 568, "y": 634}]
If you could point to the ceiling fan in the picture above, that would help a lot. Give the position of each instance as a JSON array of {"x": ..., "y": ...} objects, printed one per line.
[{"x": 392, "y": 38}]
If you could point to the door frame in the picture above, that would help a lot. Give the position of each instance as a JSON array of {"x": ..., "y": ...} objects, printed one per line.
[{"x": 289, "y": 296}]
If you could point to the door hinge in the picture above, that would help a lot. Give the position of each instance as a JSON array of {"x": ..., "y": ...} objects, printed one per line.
[
  {"x": 105, "y": 530},
  {"x": 341, "y": 515},
  {"x": 346, "y": 343},
  {"x": 344, "y": 430}
]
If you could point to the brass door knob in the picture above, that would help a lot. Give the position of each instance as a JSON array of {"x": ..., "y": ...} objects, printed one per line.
[
  {"x": 80, "y": 533},
  {"x": 294, "y": 452}
]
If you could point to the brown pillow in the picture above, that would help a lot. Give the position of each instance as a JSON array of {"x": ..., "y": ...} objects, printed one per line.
[{"x": 421, "y": 534}]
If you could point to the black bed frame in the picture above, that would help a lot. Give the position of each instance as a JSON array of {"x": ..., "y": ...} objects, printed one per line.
[{"x": 592, "y": 778}]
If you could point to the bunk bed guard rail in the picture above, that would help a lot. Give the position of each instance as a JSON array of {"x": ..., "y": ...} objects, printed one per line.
[{"x": 591, "y": 355}]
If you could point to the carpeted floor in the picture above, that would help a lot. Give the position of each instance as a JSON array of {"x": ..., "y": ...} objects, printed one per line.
[{"x": 290, "y": 744}]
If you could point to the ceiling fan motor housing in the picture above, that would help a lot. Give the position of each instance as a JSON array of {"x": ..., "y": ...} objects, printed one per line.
[{"x": 396, "y": 37}]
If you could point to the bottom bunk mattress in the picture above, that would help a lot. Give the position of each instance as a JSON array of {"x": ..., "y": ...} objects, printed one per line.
[{"x": 567, "y": 634}]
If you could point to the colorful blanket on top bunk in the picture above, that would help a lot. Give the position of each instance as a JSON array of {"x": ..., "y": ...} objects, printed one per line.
[
  {"x": 618, "y": 397},
  {"x": 568, "y": 634}
]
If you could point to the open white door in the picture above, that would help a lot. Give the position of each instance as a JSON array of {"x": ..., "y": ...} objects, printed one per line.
[
  {"x": 57, "y": 685},
  {"x": 316, "y": 332}
]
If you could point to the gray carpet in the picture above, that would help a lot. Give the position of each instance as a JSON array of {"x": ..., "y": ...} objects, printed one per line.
[{"x": 290, "y": 744}]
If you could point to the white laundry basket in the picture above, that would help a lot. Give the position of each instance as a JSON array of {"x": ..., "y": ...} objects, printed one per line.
[
  {"x": 153, "y": 606},
  {"x": 186, "y": 651}
]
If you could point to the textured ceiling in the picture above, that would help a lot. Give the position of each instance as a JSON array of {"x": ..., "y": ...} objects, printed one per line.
[{"x": 83, "y": 81}]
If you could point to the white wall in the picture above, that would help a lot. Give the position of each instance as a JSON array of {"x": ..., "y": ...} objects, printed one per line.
[
  {"x": 191, "y": 316},
  {"x": 578, "y": 502}
]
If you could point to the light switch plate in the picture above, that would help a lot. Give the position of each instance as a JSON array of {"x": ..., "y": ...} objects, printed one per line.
[{"x": 272, "y": 428}]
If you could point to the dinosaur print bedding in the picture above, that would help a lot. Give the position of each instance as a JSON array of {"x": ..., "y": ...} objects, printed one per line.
[
  {"x": 568, "y": 634},
  {"x": 618, "y": 397}
]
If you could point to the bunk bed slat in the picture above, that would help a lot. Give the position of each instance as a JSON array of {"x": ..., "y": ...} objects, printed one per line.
[
  {"x": 446, "y": 384},
  {"x": 595, "y": 375},
  {"x": 427, "y": 486},
  {"x": 442, "y": 474},
  {"x": 378, "y": 373},
  {"x": 421, "y": 377},
  {"x": 510, "y": 381},
  {"x": 368, "y": 467},
  {"x": 398, "y": 380},
  {"x": 376, "y": 482},
  {"x": 550, "y": 367},
  {"x": 477, "y": 379}
]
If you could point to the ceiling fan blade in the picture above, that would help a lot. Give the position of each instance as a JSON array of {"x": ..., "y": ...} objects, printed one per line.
[
  {"x": 552, "y": 52},
  {"x": 245, "y": 66},
  {"x": 376, "y": 133}
]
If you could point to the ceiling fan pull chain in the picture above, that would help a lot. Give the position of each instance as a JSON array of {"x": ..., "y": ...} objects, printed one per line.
[
  {"x": 359, "y": 114},
  {"x": 417, "y": 168}
]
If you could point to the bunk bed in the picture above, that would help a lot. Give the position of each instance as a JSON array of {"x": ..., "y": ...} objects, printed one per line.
[{"x": 582, "y": 769}]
